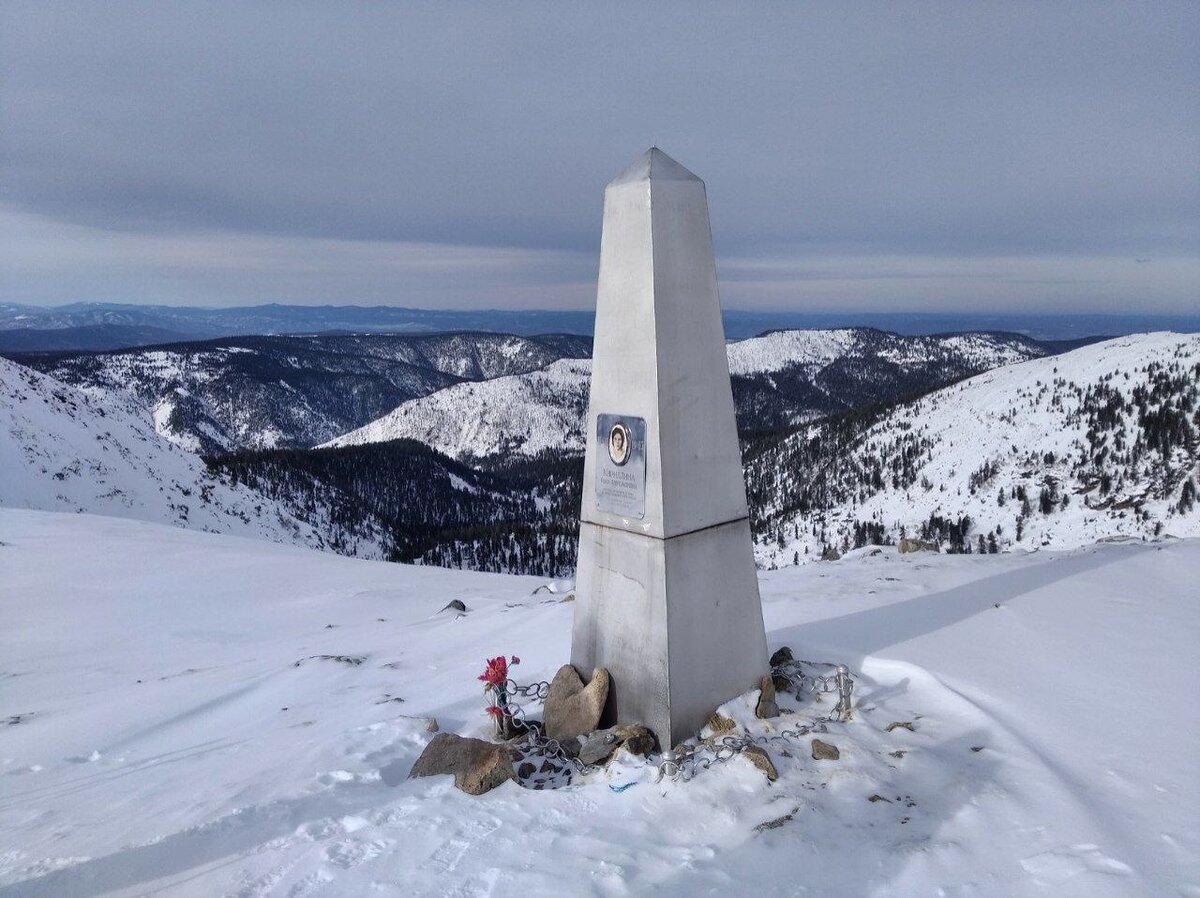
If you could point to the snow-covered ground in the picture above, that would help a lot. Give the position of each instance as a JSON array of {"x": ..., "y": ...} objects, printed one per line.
[{"x": 170, "y": 727}]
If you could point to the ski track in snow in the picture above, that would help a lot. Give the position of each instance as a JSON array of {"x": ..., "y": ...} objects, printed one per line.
[{"x": 181, "y": 731}]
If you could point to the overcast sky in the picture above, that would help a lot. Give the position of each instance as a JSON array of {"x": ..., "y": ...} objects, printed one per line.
[{"x": 959, "y": 156}]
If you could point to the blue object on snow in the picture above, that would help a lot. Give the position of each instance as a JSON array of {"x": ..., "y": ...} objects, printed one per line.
[{"x": 622, "y": 788}]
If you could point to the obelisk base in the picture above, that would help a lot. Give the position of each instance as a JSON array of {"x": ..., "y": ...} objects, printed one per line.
[{"x": 677, "y": 622}]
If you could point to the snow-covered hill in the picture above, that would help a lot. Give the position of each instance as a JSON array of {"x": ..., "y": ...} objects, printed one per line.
[
  {"x": 237, "y": 718},
  {"x": 266, "y": 392},
  {"x": 1100, "y": 442},
  {"x": 779, "y": 379},
  {"x": 524, "y": 414},
  {"x": 816, "y": 350},
  {"x": 62, "y": 449}
]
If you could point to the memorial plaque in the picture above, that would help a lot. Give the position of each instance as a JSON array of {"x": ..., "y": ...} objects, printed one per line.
[{"x": 621, "y": 465}]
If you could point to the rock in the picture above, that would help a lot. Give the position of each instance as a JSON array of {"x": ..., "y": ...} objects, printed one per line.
[
  {"x": 781, "y": 656},
  {"x": 455, "y": 605},
  {"x": 766, "y": 706},
  {"x": 901, "y": 725},
  {"x": 720, "y": 724},
  {"x": 760, "y": 759},
  {"x": 600, "y": 745},
  {"x": 571, "y": 746},
  {"x": 823, "y": 751},
  {"x": 831, "y": 554},
  {"x": 916, "y": 545},
  {"x": 782, "y": 683},
  {"x": 597, "y": 747},
  {"x": 571, "y": 708},
  {"x": 637, "y": 739},
  {"x": 476, "y": 766}
]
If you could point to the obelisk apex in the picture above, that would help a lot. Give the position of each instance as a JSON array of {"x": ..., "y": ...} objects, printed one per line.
[{"x": 667, "y": 594}]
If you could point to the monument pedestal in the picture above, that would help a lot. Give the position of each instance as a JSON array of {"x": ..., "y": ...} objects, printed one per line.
[
  {"x": 666, "y": 588},
  {"x": 665, "y": 617}
]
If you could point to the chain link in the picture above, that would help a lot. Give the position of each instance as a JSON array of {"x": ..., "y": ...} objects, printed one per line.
[
  {"x": 686, "y": 761},
  {"x": 557, "y": 768},
  {"x": 538, "y": 746}
]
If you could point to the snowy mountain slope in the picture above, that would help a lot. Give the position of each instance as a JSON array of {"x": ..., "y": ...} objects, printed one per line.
[
  {"x": 779, "y": 379},
  {"x": 780, "y": 350},
  {"x": 1100, "y": 442},
  {"x": 521, "y": 415},
  {"x": 204, "y": 746},
  {"x": 61, "y": 449},
  {"x": 265, "y": 392}
]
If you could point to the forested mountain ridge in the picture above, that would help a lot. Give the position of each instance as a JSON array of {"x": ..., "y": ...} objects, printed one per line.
[
  {"x": 1099, "y": 442},
  {"x": 423, "y": 506},
  {"x": 1102, "y": 442},
  {"x": 779, "y": 379},
  {"x": 265, "y": 392}
]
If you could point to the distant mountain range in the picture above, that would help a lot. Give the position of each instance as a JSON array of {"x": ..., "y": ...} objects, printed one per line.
[
  {"x": 465, "y": 449},
  {"x": 100, "y": 326},
  {"x": 478, "y": 395},
  {"x": 779, "y": 380},
  {"x": 1096, "y": 443},
  {"x": 265, "y": 392}
]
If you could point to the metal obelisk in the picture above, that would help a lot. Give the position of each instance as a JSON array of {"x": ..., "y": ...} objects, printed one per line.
[{"x": 666, "y": 593}]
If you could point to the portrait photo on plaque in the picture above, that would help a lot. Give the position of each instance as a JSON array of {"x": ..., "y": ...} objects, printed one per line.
[
  {"x": 621, "y": 465},
  {"x": 618, "y": 444}
]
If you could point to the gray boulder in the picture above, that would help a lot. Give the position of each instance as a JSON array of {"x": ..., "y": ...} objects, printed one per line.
[
  {"x": 602, "y": 744},
  {"x": 573, "y": 709},
  {"x": 823, "y": 751},
  {"x": 476, "y": 766},
  {"x": 782, "y": 656}
]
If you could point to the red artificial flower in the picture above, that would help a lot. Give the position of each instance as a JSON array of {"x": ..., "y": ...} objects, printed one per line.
[
  {"x": 496, "y": 673},
  {"x": 499, "y": 712}
]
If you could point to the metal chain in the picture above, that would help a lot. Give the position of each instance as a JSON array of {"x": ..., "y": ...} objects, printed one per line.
[
  {"x": 691, "y": 759},
  {"x": 538, "y": 746},
  {"x": 557, "y": 768}
]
